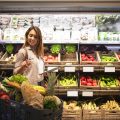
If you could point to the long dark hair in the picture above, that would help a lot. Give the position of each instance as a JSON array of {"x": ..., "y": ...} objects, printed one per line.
[{"x": 39, "y": 48}]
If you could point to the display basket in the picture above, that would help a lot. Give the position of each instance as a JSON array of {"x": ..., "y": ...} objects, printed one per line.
[
  {"x": 110, "y": 88},
  {"x": 85, "y": 87},
  {"x": 89, "y": 87},
  {"x": 72, "y": 115},
  {"x": 62, "y": 88},
  {"x": 111, "y": 114},
  {"x": 92, "y": 115},
  {"x": 51, "y": 59},
  {"x": 3, "y": 59},
  {"x": 71, "y": 58},
  {"x": 95, "y": 62},
  {"x": 11, "y": 110},
  {"x": 107, "y": 62}
]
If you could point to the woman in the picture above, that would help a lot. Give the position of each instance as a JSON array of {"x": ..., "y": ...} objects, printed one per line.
[{"x": 29, "y": 59}]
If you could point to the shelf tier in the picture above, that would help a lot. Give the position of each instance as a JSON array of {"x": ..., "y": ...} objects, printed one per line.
[
  {"x": 87, "y": 92},
  {"x": 98, "y": 68}
]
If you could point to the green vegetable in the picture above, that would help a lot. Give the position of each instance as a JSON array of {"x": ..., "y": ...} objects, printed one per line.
[
  {"x": 9, "y": 48},
  {"x": 70, "y": 48},
  {"x": 3, "y": 88},
  {"x": 17, "y": 78},
  {"x": 51, "y": 102},
  {"x": 55, "y": 49}
]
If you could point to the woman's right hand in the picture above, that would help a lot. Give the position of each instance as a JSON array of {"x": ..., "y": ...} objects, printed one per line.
[{"x": 25, "y": 64}]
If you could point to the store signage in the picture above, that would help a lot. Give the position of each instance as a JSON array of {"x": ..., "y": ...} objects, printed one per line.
[
  {"x": 69, "y": 69},
  {"x": 109, "y": 69},
  {"x": 88, "y": 69},
  {"x": 72, "y": 93},
  {"x": 87, "y": 93},
  {"x": 50, "y": 68}
]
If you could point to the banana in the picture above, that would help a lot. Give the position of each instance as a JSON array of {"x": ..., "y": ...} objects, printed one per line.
[{"x": 41, "y": 89}]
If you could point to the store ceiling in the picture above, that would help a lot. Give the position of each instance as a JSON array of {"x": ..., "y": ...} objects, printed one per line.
[{"x": 59, "y": 6}]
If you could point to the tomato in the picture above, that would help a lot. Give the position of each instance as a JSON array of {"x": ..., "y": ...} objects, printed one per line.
[
  {"x": 94, "y": 84},
  {"x": 89, "y": 84},
  {"x": 83, "y": 82},
  {"x": 89, "y": 80},
  {"x": 5, "y": 97},
  {"x": 50, "y": 57},
  {"x": 2, "y": 93}
]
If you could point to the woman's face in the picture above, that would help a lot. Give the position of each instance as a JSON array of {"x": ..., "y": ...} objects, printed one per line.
[{"x": 32, "y": 38}]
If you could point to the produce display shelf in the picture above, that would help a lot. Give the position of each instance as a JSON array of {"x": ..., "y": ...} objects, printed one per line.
[
  {"x": 95, "y": 92},
  {"x": 6, "y": 66}
]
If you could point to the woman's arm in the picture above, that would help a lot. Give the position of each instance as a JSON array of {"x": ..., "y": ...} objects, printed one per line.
[{"x": 20, "y": 62}]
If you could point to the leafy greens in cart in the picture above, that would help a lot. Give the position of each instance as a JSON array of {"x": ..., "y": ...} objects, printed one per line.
[{"x": 17, "y": 78}]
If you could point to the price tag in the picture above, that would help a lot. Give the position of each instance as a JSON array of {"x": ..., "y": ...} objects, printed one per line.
[
  {"x": 87, "y": 93},
  {"x": 109, "y": 69},
  {"x": 72, "y": 93},
  {"x": 69, "y": 69},
  {"x": 88, "y": 69},
  {"x": 49, "y": 68}
]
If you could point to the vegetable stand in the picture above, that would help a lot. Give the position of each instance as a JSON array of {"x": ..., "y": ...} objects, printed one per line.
[{"x": 79, "y": 43}]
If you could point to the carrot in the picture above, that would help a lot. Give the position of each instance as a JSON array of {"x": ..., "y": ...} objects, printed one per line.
[{"x": 13, "y": 84}]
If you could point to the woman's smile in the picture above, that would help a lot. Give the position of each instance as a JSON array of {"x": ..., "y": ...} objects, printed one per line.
[{"x": 32, "y": 38}]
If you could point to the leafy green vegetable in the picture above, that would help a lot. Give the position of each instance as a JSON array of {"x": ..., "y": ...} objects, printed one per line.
[
  {"x": 50, "y": 102},
  {"x": 70, "y": 48},
  {"x": 18, "y": 78},
  {"x": 9, "y": 48},
  {"x": 55, "y": 49}
]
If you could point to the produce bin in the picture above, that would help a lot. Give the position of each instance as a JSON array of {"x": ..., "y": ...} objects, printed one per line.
[
  {"x": 71, "y": 58},
  {"x": 7, "y": 58},
  {"x": 111, "y": 114},
  {"x": 88, "y": 82},
  {"x": 11, "y": 110},
  {"x": 110, "y": 58},
  {"x": 92, "y": 115},
  {"x": 89, "y": 59},
  {"x": 72, "y": 115},
  {"x": 52, "y": 58}
]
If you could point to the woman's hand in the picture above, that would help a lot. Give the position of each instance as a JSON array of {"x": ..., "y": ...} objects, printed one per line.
[{"x": 25, "y": 64}]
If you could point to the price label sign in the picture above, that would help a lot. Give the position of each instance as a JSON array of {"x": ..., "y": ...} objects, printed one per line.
[
  {"x": 87, "y": 93},
  {"x": 88, "y": 69},
  {"x": 69, "y": 69},
  {"x": 72, "y": 93},
  {"x": 50, "y": 68},
  {"x": 109, "y": 69}
]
